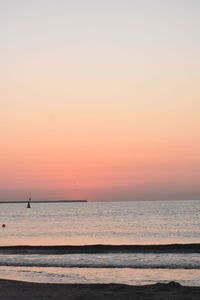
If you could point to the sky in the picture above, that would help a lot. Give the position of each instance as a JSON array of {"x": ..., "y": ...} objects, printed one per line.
[{"x": 100, "y": 100}]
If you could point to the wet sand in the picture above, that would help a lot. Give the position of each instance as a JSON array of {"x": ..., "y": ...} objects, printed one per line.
[
  {"x": 19, "y": 290},
  {"x": 70, "y": 249}
]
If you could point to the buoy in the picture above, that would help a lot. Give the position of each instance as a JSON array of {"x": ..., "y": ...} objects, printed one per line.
[
  {"x": 3, "y": 225},
  {"x": 28, "y": 204}
]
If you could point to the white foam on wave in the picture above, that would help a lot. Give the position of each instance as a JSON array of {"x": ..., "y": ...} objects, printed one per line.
[{"x": 110, "y": 260}]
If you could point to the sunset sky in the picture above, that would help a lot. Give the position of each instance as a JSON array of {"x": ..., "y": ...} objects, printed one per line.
[{"x": 100, "y": 100}]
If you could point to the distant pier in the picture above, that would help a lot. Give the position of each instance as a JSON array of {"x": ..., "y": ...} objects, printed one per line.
[{"x": 44, "y": 201}]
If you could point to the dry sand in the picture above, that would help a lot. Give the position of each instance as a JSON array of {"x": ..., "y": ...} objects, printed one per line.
[{"x": 18, "y": 290}]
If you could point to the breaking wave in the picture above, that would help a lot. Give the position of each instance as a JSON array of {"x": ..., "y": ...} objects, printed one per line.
[{"x": 108, "y": 260}]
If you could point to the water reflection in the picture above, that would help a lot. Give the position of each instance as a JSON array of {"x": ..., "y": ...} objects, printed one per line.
[
  {"x": 76, "y": 275},
  {"x": 101, "y": 223}
]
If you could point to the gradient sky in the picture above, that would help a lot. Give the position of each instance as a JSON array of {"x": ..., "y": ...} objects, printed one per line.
[{"x": 100, "y": 100}]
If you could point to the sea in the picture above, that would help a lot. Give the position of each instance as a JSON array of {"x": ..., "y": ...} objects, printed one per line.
[{"x": 102, "y": 223}]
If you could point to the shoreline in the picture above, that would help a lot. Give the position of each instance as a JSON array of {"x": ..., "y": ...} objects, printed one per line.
[
  {"x": 100, "y": 248},
  {"x": 11, "y": 289}
]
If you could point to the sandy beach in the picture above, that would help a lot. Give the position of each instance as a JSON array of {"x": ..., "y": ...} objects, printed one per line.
[{"x": 15, "y": 290}]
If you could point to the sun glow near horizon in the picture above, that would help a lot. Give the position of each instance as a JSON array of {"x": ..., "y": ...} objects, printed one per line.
[{"x": 101, "y": 100}]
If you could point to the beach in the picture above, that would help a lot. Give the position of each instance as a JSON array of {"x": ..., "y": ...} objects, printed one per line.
[
  {"x": 100, "y": 164},
  {"x": 14, "y": 290}
]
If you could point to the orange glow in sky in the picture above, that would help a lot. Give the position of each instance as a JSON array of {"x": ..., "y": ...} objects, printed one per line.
[{"x": 100, "y": 101}]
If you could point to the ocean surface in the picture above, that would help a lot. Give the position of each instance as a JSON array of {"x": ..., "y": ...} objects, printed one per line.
[{"x": 112, "y": 223}]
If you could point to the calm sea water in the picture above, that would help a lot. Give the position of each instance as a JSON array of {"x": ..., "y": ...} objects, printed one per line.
[{"x": 149, "y": 222}]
